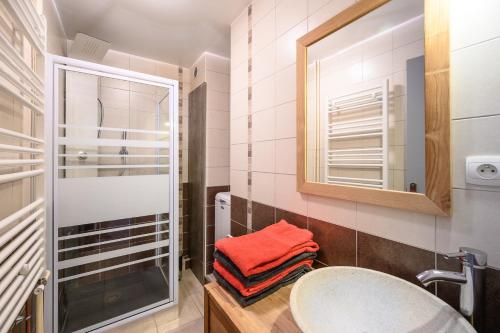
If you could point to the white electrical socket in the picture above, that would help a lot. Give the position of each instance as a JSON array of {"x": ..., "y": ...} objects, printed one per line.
[{"x": 482, "y": 170}]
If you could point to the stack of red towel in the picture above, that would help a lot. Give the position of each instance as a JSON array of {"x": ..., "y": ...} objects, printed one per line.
[{"x": 253, "y": 266}]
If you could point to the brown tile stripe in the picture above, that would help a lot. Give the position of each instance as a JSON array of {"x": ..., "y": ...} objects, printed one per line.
[
  {"x": 183, "y": 207},
  {"x": 249, "y": 174},
  {"x": 344, "y": 246}
]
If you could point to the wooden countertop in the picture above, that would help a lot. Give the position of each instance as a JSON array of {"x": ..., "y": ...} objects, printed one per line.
[{"x": 271, "y": 314}]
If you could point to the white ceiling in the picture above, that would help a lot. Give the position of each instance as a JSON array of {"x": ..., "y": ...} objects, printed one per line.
[{"x": 175, "y": 31}]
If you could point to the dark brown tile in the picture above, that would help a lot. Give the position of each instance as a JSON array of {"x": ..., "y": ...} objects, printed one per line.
[
  {"x": 213, "y": 190},
  {"x": 185, "y": 191},
  {"x": 337, "y": 245},
  {"x": 262, "y": 215},
  {"x": 210, "y": 234},
  {"x": 185, "y": 242},
  {"x": 448, "y": 292},
  {"x": 238, "y": 229},
  {"x": 210, "y": 267},
  {"x": 492, "y": 300},
  {"x": 318, "y": 264},
  {"x": 393, "y": 258},
  {"x": 292, "y": 218},
  {"x": 210, "y": 211},
  {"x": 185, "y": 207},
  {"x": 239, "y": 209},
  {"x": 210, "y": 253}
]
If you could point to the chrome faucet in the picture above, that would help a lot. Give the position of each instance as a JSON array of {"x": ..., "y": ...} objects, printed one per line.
[{"x": 471, "y": 282}]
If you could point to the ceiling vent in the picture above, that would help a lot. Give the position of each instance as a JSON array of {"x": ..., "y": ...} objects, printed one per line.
[{"x": 88, "y": 48}]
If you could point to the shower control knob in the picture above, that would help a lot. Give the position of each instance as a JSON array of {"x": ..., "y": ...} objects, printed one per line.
[{"x": 82, "y": 156}]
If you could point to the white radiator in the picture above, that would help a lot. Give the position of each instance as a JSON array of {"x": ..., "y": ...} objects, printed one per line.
[{"x": 22, "y": 231}]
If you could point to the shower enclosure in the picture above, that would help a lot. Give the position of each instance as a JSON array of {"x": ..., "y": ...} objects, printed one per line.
[{"x": 115, "y": 194}]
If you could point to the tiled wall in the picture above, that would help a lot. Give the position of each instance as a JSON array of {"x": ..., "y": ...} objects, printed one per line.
[
  {"x": 271, "y": 29},
  {"x": 214, "y": 70}
]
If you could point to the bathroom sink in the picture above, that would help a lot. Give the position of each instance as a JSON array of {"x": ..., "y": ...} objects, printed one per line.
[{"x": 351, "y": 299}]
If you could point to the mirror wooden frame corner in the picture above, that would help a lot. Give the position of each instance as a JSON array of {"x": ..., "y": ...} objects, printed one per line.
[{"x": 437, "y": 199}]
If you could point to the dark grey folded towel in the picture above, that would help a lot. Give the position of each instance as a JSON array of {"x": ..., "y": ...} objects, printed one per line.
[
  {"x": 248, "y": 300},
  {"x": 252, "y": 280}
]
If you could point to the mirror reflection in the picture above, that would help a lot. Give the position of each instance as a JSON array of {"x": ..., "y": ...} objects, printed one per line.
[{"x": 365, "y": 102}]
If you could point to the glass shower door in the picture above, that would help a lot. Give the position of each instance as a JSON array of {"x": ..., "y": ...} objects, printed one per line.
[{"x": 113, "y": 194}]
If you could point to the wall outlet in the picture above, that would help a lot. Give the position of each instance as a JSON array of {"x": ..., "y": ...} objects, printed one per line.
[{"x": 482, "y": 170}]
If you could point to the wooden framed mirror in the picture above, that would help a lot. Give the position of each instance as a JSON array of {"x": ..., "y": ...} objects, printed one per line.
[{"x": 373, "y": 108}]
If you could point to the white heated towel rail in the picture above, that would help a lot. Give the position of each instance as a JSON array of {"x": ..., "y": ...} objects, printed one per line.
[
  {"x": 358, "y": 116},
  {"x": 22, "y": 245}
]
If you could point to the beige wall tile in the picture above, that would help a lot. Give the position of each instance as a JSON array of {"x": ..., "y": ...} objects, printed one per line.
[
  {"x": 314, "y": 5},
  {"x": 263, "y": 63},
  {"x": 287, "y": 196},
  {"x": 239, "y": 130},
  {"x": 217, "y": 176},
  {"x": 285, "y": 85},
  {"x": 402, "y": 226},
  {"x": 286, "y": 45},
  {"x": 263, "y": 153},
  {"x": 263, "y": 125},
  {"x": 217, "y": 81},
  {"x": 239, "y": 104},
  {"x": 217, "y": 157},
  {"x": 239, "y": 183},
  {"x": 239, "y": 52},
  {"x": 340, "y": 212},
  {"x": 217, "y": 138},
  {"x": 217, "y": 100},
  {"x": 263, "y": 94},
  {"x": 263, "y": 188},
  {"x": 473, "y": 22},
  {"x": 264, "y": 32},
  {"x": 473, "y": 137},
  {"x": 474, "y": 223},
  {"x": 286, "y": 154},
  {"x": 216, "y": 63},
  {"x": 260, "y": 8},
  {"x": 239, "y": 78},
  {"x": 474, "y": 80},
  {"x": 217, "y": 119},
  {"x": 239, "y": 157},
  {"x": 289, "y": 13},
  {"x": 330, "y": 10},
  {"x": 408, "y": 33},
  {"x": 239, "y": 27},
  {"x": 286, "y": 120},
  {"x": 143, "y": 65}
]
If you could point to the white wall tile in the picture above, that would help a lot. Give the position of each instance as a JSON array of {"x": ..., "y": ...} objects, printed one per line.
[
  {"x": 263, "y": 94},
  {"x": 239, "y": 130},
  {"x": 217, "y": 119},
  {"x": 287, "y": 196},
  {"x": 260, "y": 8},
  {"x": 263, "y": 153},
  {"x": 340, "y": 212},
  {"x": 217, "y": 138},
  {"x": 474, "y": 224},
  {"x": 263, "y": 188},
  {"x": 399, "y": 225},
  {"x": 239, "y": 183},
  {"x": 263, "y": 63},
  {"x": 473, "y": 22},
  {"x": 377, "y": 46},
  {"x": 239, "y": 157},
  {"x": 263, "y": 125},
  {"x": 286, "y": 48},
  {"x": 286, "y": 156},
  {"x": 217, "y": 100},
  {"x": 285, "y": 85},
  {"x": 286, "y": 121},
  {"x": 314, "y": 5},
  {"x": 264, "y": 32},
  {"x": 475, "y": 81},
  {"x": 239, "y": 104},
  {"x": 217, "y": 176},
  {"x": 290, "y": 13},
  {"x": 473, "y": 137},
  {"x": 239, "y": 78}
]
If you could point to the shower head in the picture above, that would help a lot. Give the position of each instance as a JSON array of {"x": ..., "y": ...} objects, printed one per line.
[{"x": 88, "y": 48}]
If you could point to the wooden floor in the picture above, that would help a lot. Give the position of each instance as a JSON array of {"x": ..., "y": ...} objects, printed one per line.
[{"x": 190, "y": 317}]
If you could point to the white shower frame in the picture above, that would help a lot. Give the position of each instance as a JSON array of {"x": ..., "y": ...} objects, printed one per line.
[{"x": 52, "y": 64}]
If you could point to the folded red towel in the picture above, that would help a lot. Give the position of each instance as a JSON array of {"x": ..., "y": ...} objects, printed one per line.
[
  {"x": 249, "y": 291},
  {"x": 268, "y": 248}
]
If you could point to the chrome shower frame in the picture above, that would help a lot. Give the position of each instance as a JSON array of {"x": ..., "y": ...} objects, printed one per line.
[{"x": 52, "y": 65}]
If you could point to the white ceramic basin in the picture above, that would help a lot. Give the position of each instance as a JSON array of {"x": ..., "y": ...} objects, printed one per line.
[{"x": 350, "y": 299}]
